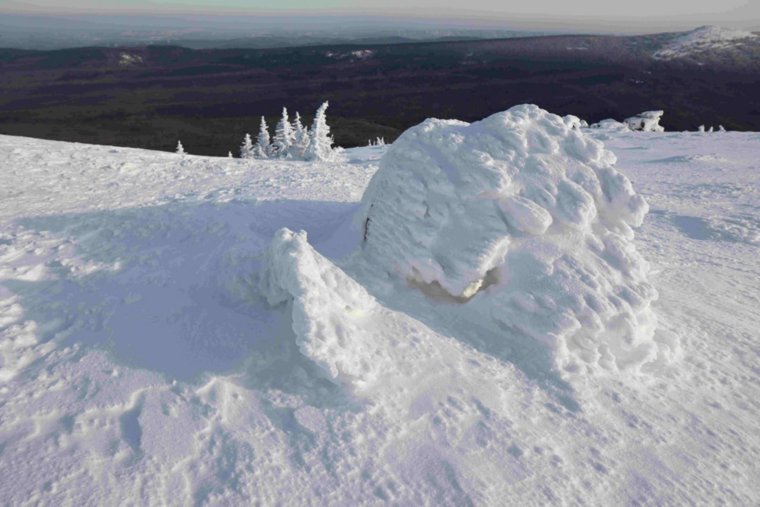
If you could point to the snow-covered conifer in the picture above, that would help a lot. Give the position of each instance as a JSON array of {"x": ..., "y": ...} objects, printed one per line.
[
  {"x": 263, "y": 146},
  {"x": 320, "y": 141},
  {"x": 246, "y": 149},
  {"x": 283, "y": 136},
  {"x": 300, "y": 137},
  {"x": 180, "y": 149}
]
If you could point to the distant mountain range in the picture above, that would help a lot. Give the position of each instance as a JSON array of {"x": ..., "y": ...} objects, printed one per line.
[
  {"x": 149, "y": 96},
  {"x": 47, "y": 32}
]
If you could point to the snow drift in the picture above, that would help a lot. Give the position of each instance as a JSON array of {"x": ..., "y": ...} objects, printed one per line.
[{"x": 523, "y": 217}]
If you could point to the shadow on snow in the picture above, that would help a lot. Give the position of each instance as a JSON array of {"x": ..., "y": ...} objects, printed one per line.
[
  {"x": 182, "y": 299},
  {"x": 175, "y": 289}
]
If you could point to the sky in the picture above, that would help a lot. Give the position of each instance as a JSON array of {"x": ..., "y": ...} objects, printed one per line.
[{"x": 633, "y": 15}]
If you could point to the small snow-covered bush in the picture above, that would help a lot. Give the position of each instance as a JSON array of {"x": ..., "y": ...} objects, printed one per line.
[{"x": 648, "y": 121}]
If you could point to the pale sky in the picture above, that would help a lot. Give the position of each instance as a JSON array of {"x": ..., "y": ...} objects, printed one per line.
[{"x": 581, "y": 13}]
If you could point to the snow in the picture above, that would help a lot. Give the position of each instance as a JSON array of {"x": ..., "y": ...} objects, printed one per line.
[
  {"x": 704, "y": 38},
  {"x": 610, "y": 125},
  {"x": 648, "y": 121},
  {"x": 165, "y": 340},
  {"x": 531, "y": 208},
  {"x": 328, "y": 307}
]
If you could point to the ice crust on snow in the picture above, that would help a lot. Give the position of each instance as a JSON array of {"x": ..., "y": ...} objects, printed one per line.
[
  {"x": 704, "y": 38},
  {"x": 524, "y": 217}
]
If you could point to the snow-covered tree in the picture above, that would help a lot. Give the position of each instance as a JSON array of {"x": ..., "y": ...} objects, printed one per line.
[
  {"x": 284, "y": 136},
  {"x": 246, "y": 149},
  {"x": 320, "y": 141},
  {"x": 300, "y": 137},
  {"x": 229, "y": 153},
  {"x": 263, "y": 146},
  {"x": 180, "y": 149}
]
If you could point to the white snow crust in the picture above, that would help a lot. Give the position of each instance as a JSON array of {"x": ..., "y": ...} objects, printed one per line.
[
  {"x": 704, "y": 38},
  {"x": 525, "y": 214}
]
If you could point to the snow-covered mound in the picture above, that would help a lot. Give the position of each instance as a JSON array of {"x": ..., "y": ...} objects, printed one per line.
[
  {"x": 648, "y": 121},
  {"x": 326, "y": 306},
  {"x": 574, "y": 122},
  {"x": 704, "y": 38},
  {"x": 610, "y": 125},
  {"x": 524, "y": 217}
]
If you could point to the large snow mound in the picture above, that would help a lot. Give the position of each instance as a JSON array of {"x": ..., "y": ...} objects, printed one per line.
[
  {"x": 523, "y": 217},
  {"x": 704, "y": 38}
]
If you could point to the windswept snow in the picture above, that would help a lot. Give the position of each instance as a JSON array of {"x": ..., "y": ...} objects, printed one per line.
[
  {"x": 165, "y": 338},
  {"x": 704, "y": 38},
  {"x": 525, "y": 214},
  {"x": 328, "y": 309}
]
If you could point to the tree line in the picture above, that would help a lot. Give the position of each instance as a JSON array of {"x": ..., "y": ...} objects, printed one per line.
[{"x": 292, "y": 140}]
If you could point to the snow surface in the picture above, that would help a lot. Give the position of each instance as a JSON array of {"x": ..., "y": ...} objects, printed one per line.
[
  {"x": 704, "y": 38},
  {"x": 143, "y": 361}
]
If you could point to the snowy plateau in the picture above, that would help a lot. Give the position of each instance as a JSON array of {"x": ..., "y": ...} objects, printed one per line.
[
  {"x": 517, "y": 311},
  {"x": 704, "y": 39}
]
